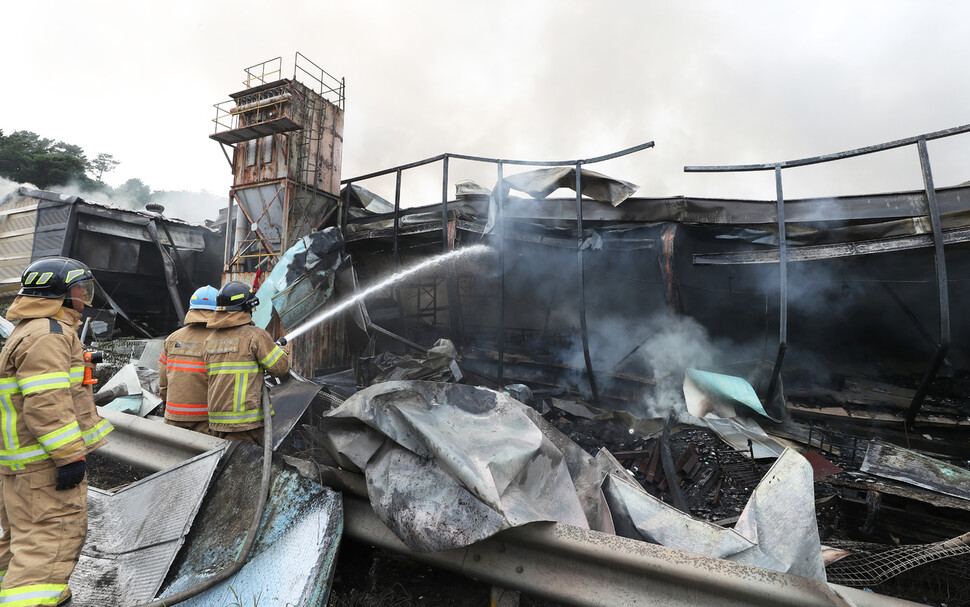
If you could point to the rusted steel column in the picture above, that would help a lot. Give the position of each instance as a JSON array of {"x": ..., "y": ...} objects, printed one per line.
[
  {"x": 230, "y": 232},
  {"x": 941, "y": 281},
  {"x": 666, "y": 259},
  {"x": 782, "y": 289},
  {"x": 582, "y": 283}
]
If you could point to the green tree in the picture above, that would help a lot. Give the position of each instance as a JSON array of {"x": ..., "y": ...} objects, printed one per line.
[
  {"x": 25, "y": 157},
  {"x": 136, "y": 191},
  {"x": 103, "y": 163}
]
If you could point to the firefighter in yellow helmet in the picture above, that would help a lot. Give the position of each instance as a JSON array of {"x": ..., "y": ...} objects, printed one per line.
[
  {"x": 182, "y": 381},
  {"x": 49, "y": 423},
  {"x": 236, "y": 354}
]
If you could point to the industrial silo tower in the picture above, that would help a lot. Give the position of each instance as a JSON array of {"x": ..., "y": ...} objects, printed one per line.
[{"x": 283, "y": 137}]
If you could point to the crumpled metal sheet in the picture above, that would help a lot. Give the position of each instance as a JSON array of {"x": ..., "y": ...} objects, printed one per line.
[
  {"x": 705, "y": 391},
  {"x": 438, "y": 364},
  {"x": 448, "y": 464},
  {"x": 135, "y": 533},
  {"x": 151, "y": 353},
  {"x": 302, "y": 280},
  {"x": 290, "y": 401},
  {"x": 139, "y": 401},
  {"x": 897, "y": 463},
  {"x": 272, "y": 284},
  {"x": 539, "y": 183},
  {"x": 777, "y": 529},
  {"x": 293, "y": 557}
]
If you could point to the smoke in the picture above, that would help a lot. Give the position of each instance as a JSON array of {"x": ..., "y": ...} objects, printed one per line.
[
  {"x": 195, "y": 207},
  {"x": 190, "y": 206},
  {"x": 659, "y": 348},
  {"x": 7, "y": 187}
]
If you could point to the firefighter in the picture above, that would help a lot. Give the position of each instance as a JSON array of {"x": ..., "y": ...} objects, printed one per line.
[
  {"x": 236, "y": 354},
  {"x": 182, "y": 381},
  {"x": 49, "y": 423}
]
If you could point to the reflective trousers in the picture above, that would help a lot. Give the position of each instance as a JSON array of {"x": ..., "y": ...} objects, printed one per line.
[{"x": 43, "y": 531}]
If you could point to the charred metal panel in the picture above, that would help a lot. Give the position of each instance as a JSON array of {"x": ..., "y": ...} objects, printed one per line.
[
  {"x": 51, "y": 232},
  {"x": 308, "y": 208},
  {"x": 293, "y": 557},
  {"x": 897, "y": 463},
  {"x": 323, "y": 346},
  {"x": 134, "y": 226}
]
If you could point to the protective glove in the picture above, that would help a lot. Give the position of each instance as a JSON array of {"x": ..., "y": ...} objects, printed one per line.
[{"x": 70, "y": 475}]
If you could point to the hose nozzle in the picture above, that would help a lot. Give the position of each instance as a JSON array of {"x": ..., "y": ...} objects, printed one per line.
[{"x": 281, "y": 341}]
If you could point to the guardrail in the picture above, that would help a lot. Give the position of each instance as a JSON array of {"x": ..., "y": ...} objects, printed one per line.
[{"x": 553, "y": 561}]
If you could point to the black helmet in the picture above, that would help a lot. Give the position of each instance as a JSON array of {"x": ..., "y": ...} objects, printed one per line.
[
  {"x": 236, "y": 296},
  {"x": 53, "y": 277}
]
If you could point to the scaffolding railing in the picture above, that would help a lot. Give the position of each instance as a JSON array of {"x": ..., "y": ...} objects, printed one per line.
[
  {"x": 932, "y": 211},
  {"x": 305, "y": 72},
  {"x": 500, "y": 164}
]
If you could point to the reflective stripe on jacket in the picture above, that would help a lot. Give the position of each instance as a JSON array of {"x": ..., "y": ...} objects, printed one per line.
[
  {"x": 47, "y": 416},
  {"x": 235, "y": 358},
  {"x": 182, "y": 380}
]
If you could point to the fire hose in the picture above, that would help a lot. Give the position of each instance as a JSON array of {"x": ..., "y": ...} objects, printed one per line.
[{"x": 247, "y": 547}]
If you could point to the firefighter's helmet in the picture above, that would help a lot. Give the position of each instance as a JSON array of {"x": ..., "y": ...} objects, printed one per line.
[
  {"x": 236, "y": 296},
  {"x": 56, "y": 277},
  {"x": 204, "y": 298}
]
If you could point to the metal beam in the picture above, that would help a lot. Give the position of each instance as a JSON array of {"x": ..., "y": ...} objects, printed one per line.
[{"x": 835, "y": 251}]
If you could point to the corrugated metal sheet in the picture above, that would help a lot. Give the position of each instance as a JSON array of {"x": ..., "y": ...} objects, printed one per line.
[
  {"x": 135, "y": 533},
  {"x": 53, "y": 228},
  {"x": 17, "y": 219}
]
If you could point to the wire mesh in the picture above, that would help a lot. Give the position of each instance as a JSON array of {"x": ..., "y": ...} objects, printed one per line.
[{"x": 872, "y": 566}]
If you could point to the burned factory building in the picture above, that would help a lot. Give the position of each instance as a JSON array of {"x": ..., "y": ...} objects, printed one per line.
[
  {"x": 551, "y": 388},
  {"x": 147, "y": 265}
]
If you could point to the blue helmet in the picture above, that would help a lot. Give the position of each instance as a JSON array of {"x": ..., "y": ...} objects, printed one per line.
[{"x": 204, "y": 298}]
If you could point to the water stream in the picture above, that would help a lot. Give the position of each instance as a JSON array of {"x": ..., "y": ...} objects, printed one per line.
[{"x": 390, "y": 280}]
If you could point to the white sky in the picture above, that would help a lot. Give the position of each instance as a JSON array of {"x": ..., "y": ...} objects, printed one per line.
[{"x": 710, "y": 82}]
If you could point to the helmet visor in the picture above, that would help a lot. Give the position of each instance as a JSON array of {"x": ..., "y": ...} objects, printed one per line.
[{"x": 83, "y": 291}]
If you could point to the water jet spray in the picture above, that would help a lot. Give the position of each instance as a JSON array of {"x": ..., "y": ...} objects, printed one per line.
[{"x": 396, "y": 277}]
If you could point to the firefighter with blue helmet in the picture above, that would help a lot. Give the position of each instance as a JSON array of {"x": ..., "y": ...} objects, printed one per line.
[
  {"x": 48, "y": 423},
  {"x": 182, "y": 381}
]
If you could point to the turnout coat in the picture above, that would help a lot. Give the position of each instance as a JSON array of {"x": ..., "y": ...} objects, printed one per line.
[{"x": 236, "y": 354}]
